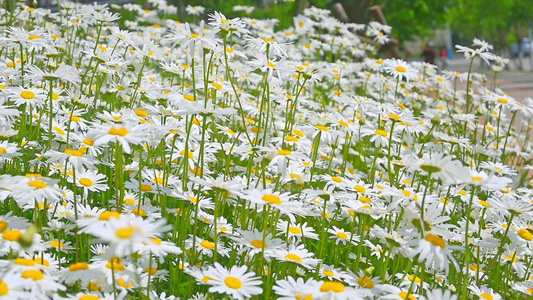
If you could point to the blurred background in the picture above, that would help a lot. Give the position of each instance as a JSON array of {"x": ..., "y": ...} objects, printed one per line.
[{"x": 506, "y": 24}]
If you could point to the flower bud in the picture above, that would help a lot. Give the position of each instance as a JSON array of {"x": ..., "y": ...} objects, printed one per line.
[
  {"x": 530, "y": 183},
  {"x": 369, "y": 271},
  {"x": 299, "y": 181},
  {"x": 26, "y": 239},
  {"x": 436, "y": 119},
  {"x": 308, "y": 74},
  {"x": 452, "y": 288}
]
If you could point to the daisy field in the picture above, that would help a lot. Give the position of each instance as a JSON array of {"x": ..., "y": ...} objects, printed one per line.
[{"x": 145, "y": 158}]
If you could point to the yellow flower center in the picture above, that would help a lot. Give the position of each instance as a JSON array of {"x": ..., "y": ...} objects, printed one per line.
[
  {"x": 291, "y": 138},
  {"x": 4, "y": 289},
  {"x": 284, "y": 152},
  {"x": 33, "y": 274},
  {"x": 365, "y": 282},
  {"x": 27, "y": 95},
  {"x": 3, "y": 150},
  {"x": 42, "y": 262},
  {"x": 78, "y": 267},
  {"x": 487, "y": 296},
  {"x": 295, "y": 230},
  {"x": 124, "y": 284},
  {"x": 511, "y": 257},
  {"x": 477, "y": 178},
  {"x": 343, "y": 123},
  {"x": 298, "y": 132},
  {"x": 129, "y": 201},
  {"x": 360, "y": 189},
  {"x": 12, "y": 235},
  {"x": 126, "y": 233},
  {"x": 151, "y": 271},
  {"x": 3, "y": 226},
  {"x": 365, "y": 199},
  {"x": 88, "y": 142},
  {"x": 57, "y": 244},
  {"x": 89, "y": 297},
  {"x": 115, "y": 265},
  {"x": 400, "y": 69},
  {"x": 525, "y": 234},
  {"x": 72, "y": 152},
  {"x": 233, "y": 283},
  {"x": 342, "y": 235},
  {"x": 38, "y": 184},
  {"x": 190, "y": 154},
  {"x": 436, "y": 240},
  {"x": 24, "y": 262},
  {"x": 146, "y": 188},
  {"x": 259, "y": 244},
  {"x": 86, "y": 182},
  {"x": 484, "y": 203},
  {"x": 405, "y": 295},
  {"x": 336, "y": 179},
  {"x": 189, "y": 97},
  {"x": 329, "y": 273},
  {"x": 394, "y": 116},
  {"x": 332, "y": 286},
  {"x": 503, "y": 101},
  {"x": 141, "y": 113},
  {"x": 382, "y": 132},
  {"x": 293, "y": 257},
  {"x": 272, "y": 199},
  {"x": 106, "y": 215},
  {"x": 208, "y": 245},
  {"x": 138, "y": 212},
  {"x": 122, "y": 131},
  {"x": 415, "y": 278}
]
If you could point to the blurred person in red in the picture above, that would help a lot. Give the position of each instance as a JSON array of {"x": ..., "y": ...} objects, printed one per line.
[
  {"x": 443, "y": 54},
  {"x": 429, "y": 54}
]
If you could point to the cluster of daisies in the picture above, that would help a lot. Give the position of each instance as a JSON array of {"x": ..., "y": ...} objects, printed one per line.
[{"x": 231, "y": 160}]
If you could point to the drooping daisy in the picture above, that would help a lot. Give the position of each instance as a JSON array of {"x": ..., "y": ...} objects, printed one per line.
[{"x": 436, "y": 253}]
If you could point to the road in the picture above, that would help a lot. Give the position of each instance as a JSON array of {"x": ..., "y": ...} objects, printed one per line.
[{"x": 518, "y": 84}]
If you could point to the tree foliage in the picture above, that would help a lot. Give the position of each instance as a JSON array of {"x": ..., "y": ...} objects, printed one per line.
[{"x": 497, "y": 21}]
